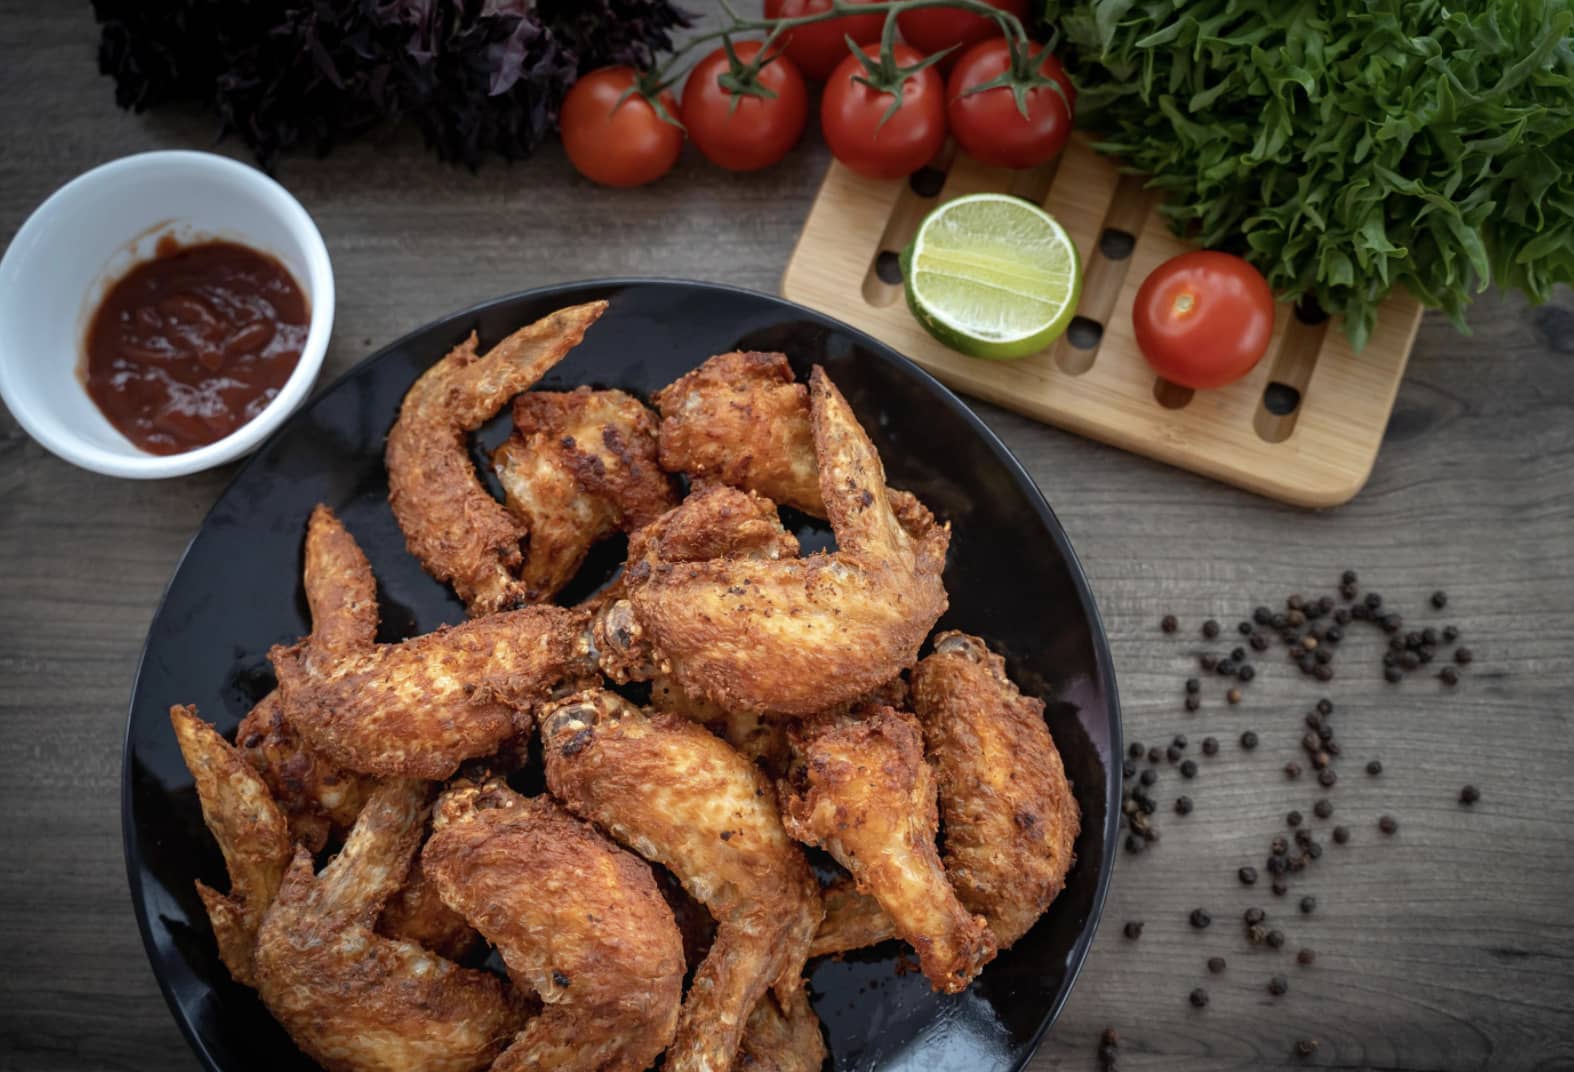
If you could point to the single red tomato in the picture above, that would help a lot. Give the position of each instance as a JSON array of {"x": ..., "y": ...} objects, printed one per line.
[
  {"x": 930, "y": 29},
  {"x": 852, "y": 116},
  {"x": 744, "y": 132},
  {"x": 614, "y": 144},
  {"x": 989, "y": 126},
  {"x": 818, "y": 47},
  {"x": 1203, "y": 319}
]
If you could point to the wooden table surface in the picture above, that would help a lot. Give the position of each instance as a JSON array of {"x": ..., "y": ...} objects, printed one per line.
[{"x": 1447, "y": 946}]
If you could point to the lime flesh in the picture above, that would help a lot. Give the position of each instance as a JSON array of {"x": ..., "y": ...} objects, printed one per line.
[{"x": 992, "y": 276}]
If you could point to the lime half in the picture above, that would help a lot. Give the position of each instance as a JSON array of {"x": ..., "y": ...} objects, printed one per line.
[{"x": 992, "y": 276}]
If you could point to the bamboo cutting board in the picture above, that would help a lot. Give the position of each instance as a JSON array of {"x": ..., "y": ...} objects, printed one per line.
[{"x": 1304, "y": 426}]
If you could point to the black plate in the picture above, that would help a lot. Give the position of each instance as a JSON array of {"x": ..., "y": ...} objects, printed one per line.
[{"x": 1011, "y": 574}]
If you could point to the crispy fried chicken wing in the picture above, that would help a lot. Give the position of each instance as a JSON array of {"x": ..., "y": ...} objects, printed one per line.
[
  {"x": 677, "y": 795},
  {"x": 865, "y": 793},
  {"x": 251, "y": 832},
  {"x": 357, "y": 1002},
  {"x": 578, "y": 921},
  {"x": 319, "y": 798},
  {"x": 796, "y": 636},
  {"x": 580, "y": 466},
  {"x": 460, "y": 534},
  {"x": 420, "y": 708},
  {"x": 760, "y": 737},
  {"x": 742, "y": 419},
  {"x": 416, "y": 913},
  {"x": 853, "y": 920},
  {"x": 782, "y": 1036},
  {"x": 1010, "y": 817}
]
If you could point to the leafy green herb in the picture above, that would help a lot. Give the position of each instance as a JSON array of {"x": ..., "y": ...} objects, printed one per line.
[
  {"x": 1346, "y": 146},
  {"x": 477, "y": 76}
]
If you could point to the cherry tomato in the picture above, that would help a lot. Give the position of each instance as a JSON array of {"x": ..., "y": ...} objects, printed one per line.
[
  {"x": 616, "y": 144},
  {"x": 988, "y": 124},
  {"x": 759, "y": 130},
  {"x": 818, "y": 47},
  {"x": 930, "y": 29},
  {"x": 1203, "y": 319},
  {"x": 851, "y": 114}
]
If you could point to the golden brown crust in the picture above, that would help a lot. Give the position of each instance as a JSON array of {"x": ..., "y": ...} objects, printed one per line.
[
  {"x": 580, "y": 466},
  {"x": 853, "y": 920},
  {"x": 862, "y": 790},
  {"x": 357, "y": 1002},
  {"x": 799, "y": 635},
  {"x": 420, "y": 708},
  {"x": 1011, "y": 820},
  {"x": 460, "y": 534},
  {"x": 319, "y": 798},
  {"x": 416, "y": 913},
  {"x": 578, "y": 921},
  {"x": 678, "y": 796},
  {"x": 251, "y": 832},
  {"x": 741, "y": 419},
  {"x": 782, "y": 1036}
]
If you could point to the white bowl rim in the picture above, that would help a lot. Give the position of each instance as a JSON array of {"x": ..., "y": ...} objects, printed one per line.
[{"x": 319, "y": 287}]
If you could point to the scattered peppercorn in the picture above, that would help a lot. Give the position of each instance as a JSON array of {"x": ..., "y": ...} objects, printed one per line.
[
  {"x": 1325, "y": 706},
  {"x": 1188, "y": 769},
  {"x": 1135, "y": 844},
  {"x": 1308, "y": 905},
  {"x": 1278, "y": 986},
  {"x": 1348, "y": 577},
  {"x": 1248, "y": 876},
  {"x": 1254, "y": 916},
  {"x": 1216, "y": 965},
  {"x": 1449, "y": 676},
  {"x": 1193, "y": 685},
  {"x": 1200, "y": 918},
  {"x": 1259, "y": 642},
  {"x": 1305, "y": 1047},
  {"x": 1373, "y": 600},
  {"x": 1233, "y": 696},
  {"x": 1169, "y": 623},
  {"x": 1173, "y": 754},
  {"x": 1210, "y": 628},
  {"x": 1256, "y": 934},
  {"x": 1279, "y": 846},
  {"x": 1292, "y": 770},
  {"x": 1243, "y": 628},
  {"x": 1440, "y": 599},
  {"x": 1135, "y": 749},
  {"x": 1305, "y": 957},
  {"x": 1280, "y": 887},
  {"x": 1248, "y": 740},
  {"x": 1375, "y": 767},
  {"x": 1342, "y": 615},
  {"x": 1388, "y": 824},
  {"x": 1322, "y": 671},
  {"x": 1133, "y": 929},
  {"x": 1327, "y": 777},
  {"x": 1247, "y": 672},
  {"x": 1341, "y": 834},
  {"x": 1193, "y": 701},
  {"x": 1128, "y": 769},
  {"x": 1450, "y": 633},
  {"x": 1199, "y": 997},
  {"x": 1323, "y": 808},
  {"x": 1155, "y": 754},
  {"x": 1293, "y": 819},
  {"x": 1393, "y": 675},
  {"x": 1210, "y": 746},
  {"x": 1149, "y": 776},
  {"x": 1469, "y": 795},
  {"x": 1227, "y": 667},
  {"x": 1183, "y": 805},
  {"x": 1462, "y": 656},
  {"x": 1207, "y": 661}
]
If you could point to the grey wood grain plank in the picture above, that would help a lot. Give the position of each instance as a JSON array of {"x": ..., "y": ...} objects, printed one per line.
[{"x": 1446, "y": 947}]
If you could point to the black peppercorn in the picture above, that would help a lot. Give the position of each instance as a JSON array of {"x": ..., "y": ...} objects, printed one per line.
[
  {"x": 1293, "y": 819},
  {"x": 1392, "y": 623},
  {"x": 1193, "y": 685},
  {"x": 1462, "y": 656},
  {"x": 1373, "y": 600},
  {"x": 1295, "y": 618},
  {"x": 1327, "y": 777},
  {"x": 1449, "y": 676},
  {"x": 1311, "y": 742},
  {"x": 1248, "y": 740},
  {"x": 1409, "y": 660},
  {"x": 1243, "y": 628},
  {"x": 1149, "y": 776},
  {"x": 1361, "y": 612},
  {"x": 1280, "y": 887},
  {"x": 1248, "y": 876},
  {"x": 1325, "y": 732},
  {"x": 1210, "y": 628},
  {"x": 1308, "y": 905},
  {"x": 1292, "y": 770},
  {"x": 1313, "y": 720},
  {"x": 1450, "y": 633},
  {"x": 1128, "y": 769},
  {"x": 1276, "y": 939},
  {"x": 1305, "y": 957},
  {"x": 1239, "y": 655},
  {"x": 1429, "y": 636},
  {"x": 1200, "y": 918},
  {"x": 1169, "y": 623},
  {"x": 1469, "y": 795},
  {"x": 1216, "y": 965},
  {"x": 1227, "y": 667},
  {"x": 1279, "y": 846},
  {"x": 1233, "y": 696},
  {"x": 1199, "y": 997},
  {"x": 1276, "y": 865},
  {"x": 1305, "y": 1047},
  {"x": 1210, "y": 746},
  {"x": 1155, "y": 754},
  {"x": 1278, "y": 986},
  {"x": 1322, "y": 671},
  {"x": 1374, "y": 767},
  {"x": 1323, "y": 808},
  {"x": 1179, "y": 740},
  {"x": 1247, "y": 672},
  {"x": 1341, "y": 615},
  {"x": 1135, "y": 749},
  {"x": 1278, "y": 621},
  {"x": 1133, "y": 929},
  {"x": 1188, "y": 769},
  {"x": 1334, "y": 634},
  {"x": 1262, "y": 615},
  {"x": 1259, "y": 642},
  {"x": 1341, "y": 834},
  {"x": 1135, "y": 844},
  {"x": 1173, "y": 754},
  {"x": 1440, "y": 599},
  {"x": 1388, "y": 824},
  {"x": 1412, "y": 640},
  {"x": 1207, "y": 661},
  {"x": 1148, "y": 805},
  {"x": 1393, "y": 675},
  {"x": 1254, "y": 916},
  {"x": 1183, "y": 805},
  {"x": 1193, "y": 701},
  {"x": 1333, "y": 748}
]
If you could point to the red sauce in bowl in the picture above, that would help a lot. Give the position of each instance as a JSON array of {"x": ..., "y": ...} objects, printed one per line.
[{"x": 187, "y": 347}]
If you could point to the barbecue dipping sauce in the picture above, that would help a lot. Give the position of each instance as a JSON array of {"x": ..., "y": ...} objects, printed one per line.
[{"x": 187, "y": 347}]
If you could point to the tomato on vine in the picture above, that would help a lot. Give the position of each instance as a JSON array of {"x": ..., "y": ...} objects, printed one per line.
[
  {"x": 746, "y": 116},
  {"x": 615, "y": 136},
  {"x": 931, "y": 29},
  {"x": 818, "y": 47},
  {"x": 862, "y": 122},
  {"x": 1004, "y": 121}
]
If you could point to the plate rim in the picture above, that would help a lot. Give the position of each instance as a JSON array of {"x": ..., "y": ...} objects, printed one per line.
[{"x": 1102, "y": 656}]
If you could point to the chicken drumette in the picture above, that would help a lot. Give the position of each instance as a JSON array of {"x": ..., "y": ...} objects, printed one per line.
[
  {"x": 678, "y": 796},
  {"x": 579, "y": 922}
]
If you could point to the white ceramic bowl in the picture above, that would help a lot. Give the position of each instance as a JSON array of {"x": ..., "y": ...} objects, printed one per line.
[{"x": 84, "y": 237}]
